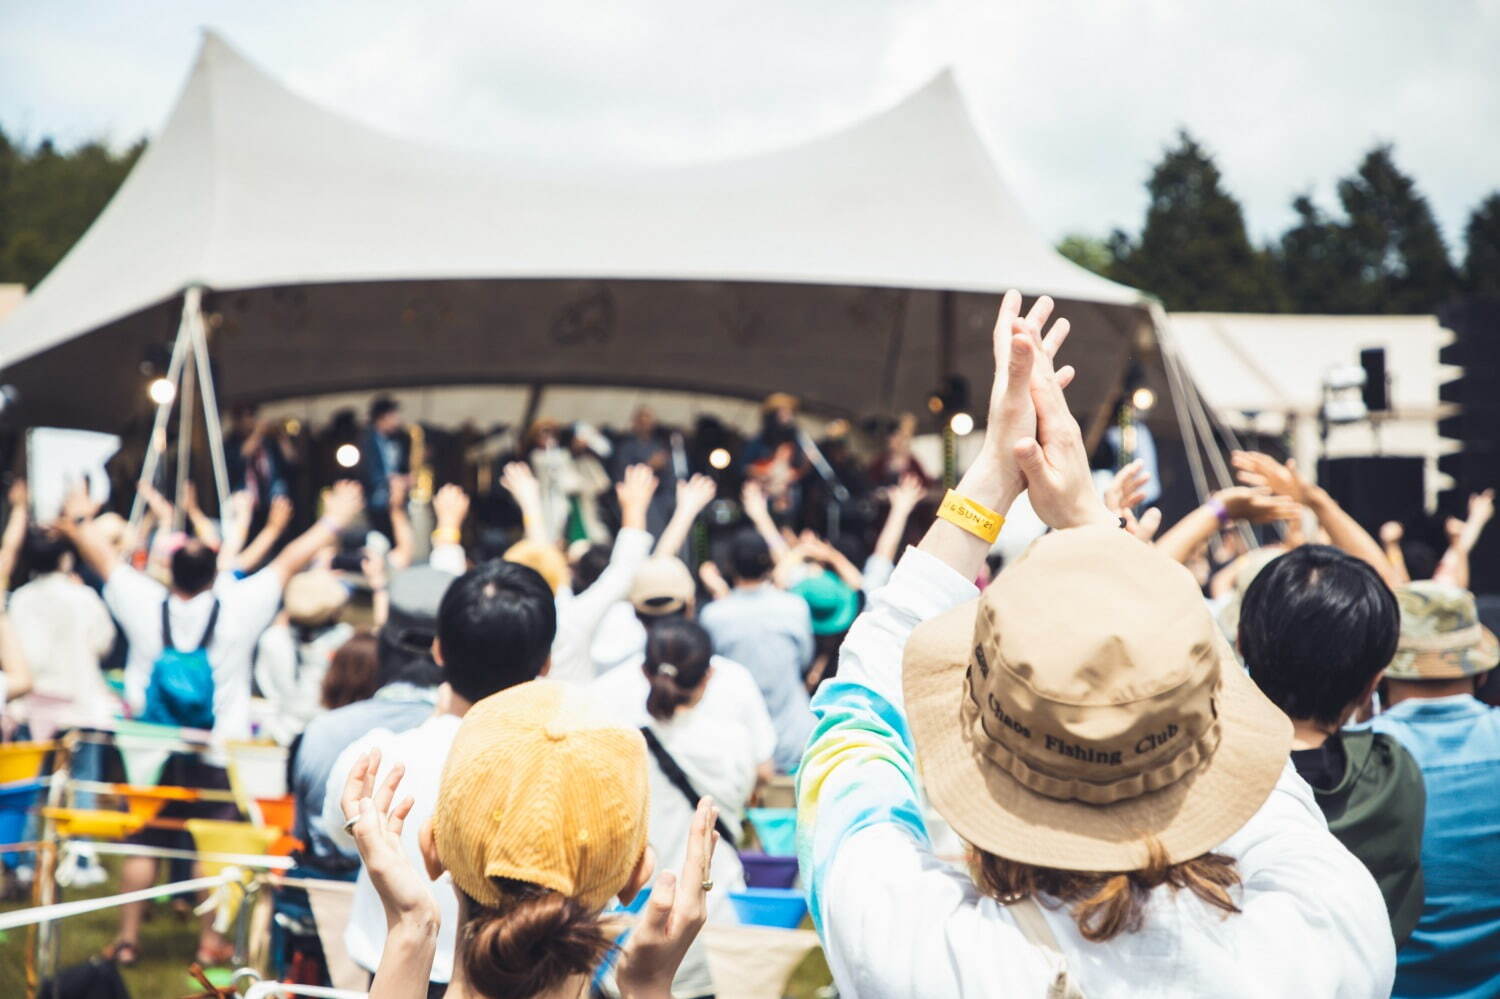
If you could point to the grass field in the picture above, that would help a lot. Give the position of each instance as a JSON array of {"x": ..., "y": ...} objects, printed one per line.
[{"x": 167, "y": 944}]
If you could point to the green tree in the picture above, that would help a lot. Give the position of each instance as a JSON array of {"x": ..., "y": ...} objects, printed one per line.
[
  {"x": 1482, "y": 248},
  {"x": 49, "y": 198},
  {"x": 1193, "y": 251},
  {"x": 1089, "y": 252},
  {"x": 1319, "y": 269},
  {"x": 1402, "y": 264}
]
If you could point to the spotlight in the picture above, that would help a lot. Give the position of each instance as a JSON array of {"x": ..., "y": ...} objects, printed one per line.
[
  {"x": 292, "y": 426},
  {"x": 1143, "y": 399},
  {"x": 962, "y": 424},
  {"x": 161, "y": 391},
  {"x": 719, "y": 458},
  {"x": 934, "y": 404},
  {"x": 347, "y": 455}
]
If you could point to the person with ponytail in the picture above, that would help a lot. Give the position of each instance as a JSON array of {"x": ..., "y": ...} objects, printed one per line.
[
  {"x": 540, "y": 823},
  {"x": 708, "y": 733}
]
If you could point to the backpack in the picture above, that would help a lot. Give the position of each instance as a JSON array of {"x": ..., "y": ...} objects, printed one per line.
[{"x": 182, "y": 683}]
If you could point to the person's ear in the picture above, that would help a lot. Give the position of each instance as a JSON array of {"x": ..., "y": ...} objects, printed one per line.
[
  {"x": 546, "y": 667},
  {"x": 427, "y": 844},
  {"x": 437, "y": 650},
  {"x": 645, "y": 870}
]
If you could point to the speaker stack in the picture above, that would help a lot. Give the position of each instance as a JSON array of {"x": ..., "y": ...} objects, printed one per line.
[{"x": 1475, "y": 322}]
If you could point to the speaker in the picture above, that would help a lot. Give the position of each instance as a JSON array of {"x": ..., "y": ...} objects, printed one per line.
[
  {"x": 1376, "y": 489},
  {"x": 1377, "y": 388},
  {"x": 1475, "y": 322}
]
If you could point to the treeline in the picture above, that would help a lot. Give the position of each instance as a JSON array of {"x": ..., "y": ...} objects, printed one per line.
[
  {"x": 1382, "y": 253},
  {"x": 49, "y": 197}
]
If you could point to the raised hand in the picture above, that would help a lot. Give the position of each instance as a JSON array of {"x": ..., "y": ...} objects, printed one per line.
[
  {"x": 634, "y": 491},
  {"x": 677, "y": 910},
  {"x": 400, "y": 486},
  {"x": 1257, "y": 469},
  {"x": 1128, "y": 488},
  {"x": 156, "y": 502},
  {"x": 1258, "y": 505},
  {"x": 450, "y": 507},
  {"x": 696, "y": 493},
  {"x": 1146, "y": 526},
  {"x": 905, "y": 495},
  {"x": 1391, "y": 532},
  {"x": 343, "y": 502},
  {"x": 18, "y": 495},
  {"x": 753, "y": 500},
  {"x": 376, "y": 827},
  {"x": 520, "y": 481}
]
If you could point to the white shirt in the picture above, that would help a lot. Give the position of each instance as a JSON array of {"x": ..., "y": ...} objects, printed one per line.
[
  {"x": 65, "y": 630},
  {"x": 578, "y": 616},
  {"x": 246, "y": 608},
  {"x": 619, "y": 639},
  {"x": 896, "y": 921},
  {"x": 290, "y": 676},
  {"x": 719, "y": 743},
  {"x": 423, "y": 750}
]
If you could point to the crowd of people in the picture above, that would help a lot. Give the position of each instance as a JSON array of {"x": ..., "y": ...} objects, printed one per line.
[{"x": 1174, "y": 763}]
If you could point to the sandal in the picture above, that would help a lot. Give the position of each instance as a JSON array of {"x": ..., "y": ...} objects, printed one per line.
[
  {"x": 124, "y": 953},
  {"x": 215, "y": 957}
]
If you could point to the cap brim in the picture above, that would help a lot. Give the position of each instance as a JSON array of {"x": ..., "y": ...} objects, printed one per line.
[{"x": 995, "y": 813}]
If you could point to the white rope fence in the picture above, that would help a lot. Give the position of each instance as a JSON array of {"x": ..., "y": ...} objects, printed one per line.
[{"x": 63, "y": 910}]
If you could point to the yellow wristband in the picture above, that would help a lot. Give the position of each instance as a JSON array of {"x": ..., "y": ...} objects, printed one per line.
[
  {"x": 446, "y": 536},
  {"x": 980, "y": 521}
]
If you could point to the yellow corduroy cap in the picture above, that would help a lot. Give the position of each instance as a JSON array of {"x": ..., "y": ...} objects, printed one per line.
[{"x": 541, "y": 786}]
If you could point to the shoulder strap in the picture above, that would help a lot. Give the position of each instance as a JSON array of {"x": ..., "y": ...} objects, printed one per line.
[
  {"x": 166, "y": 625},
  {"x": 1034, "y": 928},
  {"x": 213, "y": 620},
  {"x": 674, "y": 775}
]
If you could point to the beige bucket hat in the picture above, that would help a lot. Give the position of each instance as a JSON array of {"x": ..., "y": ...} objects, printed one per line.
[
  {"x": 1441, "y": 637},
  {"x": 314, "y": 597},
  {"x": 663, "y": 585},
  {"x": 1086, "y": 703}
]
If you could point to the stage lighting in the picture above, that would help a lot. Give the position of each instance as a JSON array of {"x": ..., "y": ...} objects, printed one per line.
[
  {"x": 719, "y": 458},
  {"x": 962, "y": 424},
  {"x": 347, "y": 455},
  {"x": 1143, "y": 399},
  {"x": 161, "y": 391}
]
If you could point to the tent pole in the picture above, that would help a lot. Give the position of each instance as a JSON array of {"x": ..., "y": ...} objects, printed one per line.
[
  {"x": 186, "y": 426},
  {"x": 210, "y": 400},
  {"x": 156, "y": 443}
]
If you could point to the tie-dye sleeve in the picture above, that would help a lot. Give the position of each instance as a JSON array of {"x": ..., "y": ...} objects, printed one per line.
[{"x": 859, "y": 768}]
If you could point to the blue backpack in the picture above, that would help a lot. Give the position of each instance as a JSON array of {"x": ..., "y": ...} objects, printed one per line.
[{"x": 182, "y": 683}]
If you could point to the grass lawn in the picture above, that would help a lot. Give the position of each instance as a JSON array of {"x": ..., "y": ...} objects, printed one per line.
[{"x": 168, "y": 942}]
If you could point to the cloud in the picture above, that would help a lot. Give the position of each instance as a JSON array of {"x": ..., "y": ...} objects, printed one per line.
[{"x": 1077, "y": 96}]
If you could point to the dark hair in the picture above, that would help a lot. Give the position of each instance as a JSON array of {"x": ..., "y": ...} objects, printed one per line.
[
  {"x": 353, "y": 672},
  {"x": 44, "y": 550},
  {"x": 1316, "y": 627},
  {"x": 678, "y": 654},
  {"x": 194, "y": 567},
  {"x": 533, "y": 943},
  {"x": 1104, "y": 905},
  {"x": 749, "y": 556},
  {"x": 381, "y": 405},
  {"x": 495, "y": 627},
  {"x": 1420, "y": 557},
  {"x": 590, "y": 566}
]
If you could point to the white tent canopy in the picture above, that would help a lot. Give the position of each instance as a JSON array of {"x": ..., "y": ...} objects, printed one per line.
[{"x": 853, "y": 268}]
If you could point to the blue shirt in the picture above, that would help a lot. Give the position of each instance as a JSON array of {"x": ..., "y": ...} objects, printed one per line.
[
  {"x": 769, "y": 632},
  {"x": 396, "y": 706},
  {"x": 1455, "y": 950}
]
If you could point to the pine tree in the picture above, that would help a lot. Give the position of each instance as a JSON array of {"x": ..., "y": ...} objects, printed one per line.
[
  {"x": 1193, "y": 250},
  {"x": 1398, "y": 249},
  {"x": 1482, "y": 248},
  {"x": 1318, "y": 267},
  {"x": 1088, "y": 252}
]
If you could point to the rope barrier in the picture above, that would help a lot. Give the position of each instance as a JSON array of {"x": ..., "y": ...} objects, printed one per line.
[
  {"x": 265, "y": 861},
  {"x": 63, "y": 910}
]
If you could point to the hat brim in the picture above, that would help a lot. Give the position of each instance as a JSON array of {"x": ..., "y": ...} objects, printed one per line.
[
  {"x": 1479, "y": 658},
  {"x": 997, "y": 814}
]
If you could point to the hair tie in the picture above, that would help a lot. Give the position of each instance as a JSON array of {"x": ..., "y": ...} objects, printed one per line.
[{"x": 667, "y": 670}]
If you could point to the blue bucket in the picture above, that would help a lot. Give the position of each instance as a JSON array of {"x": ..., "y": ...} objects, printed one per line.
[
  {"x": 16, "y": 799},
  {"x": 777, "y": 907},
  {"x": 776, "y": 828}
]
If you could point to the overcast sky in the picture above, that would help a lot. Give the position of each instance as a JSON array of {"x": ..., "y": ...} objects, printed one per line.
[{"x": 1078, "y": 98}]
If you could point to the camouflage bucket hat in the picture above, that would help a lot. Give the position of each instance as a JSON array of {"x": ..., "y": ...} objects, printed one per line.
[{"x": 1441, "y": 637}]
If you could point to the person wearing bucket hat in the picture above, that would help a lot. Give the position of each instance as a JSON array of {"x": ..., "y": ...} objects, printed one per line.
[
  {"x": 539, "y": 823},
  {"x": 1443, "y": 651},
  {"x": 292, "y": 656},
  {"x": 1132, "y": 824}
]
